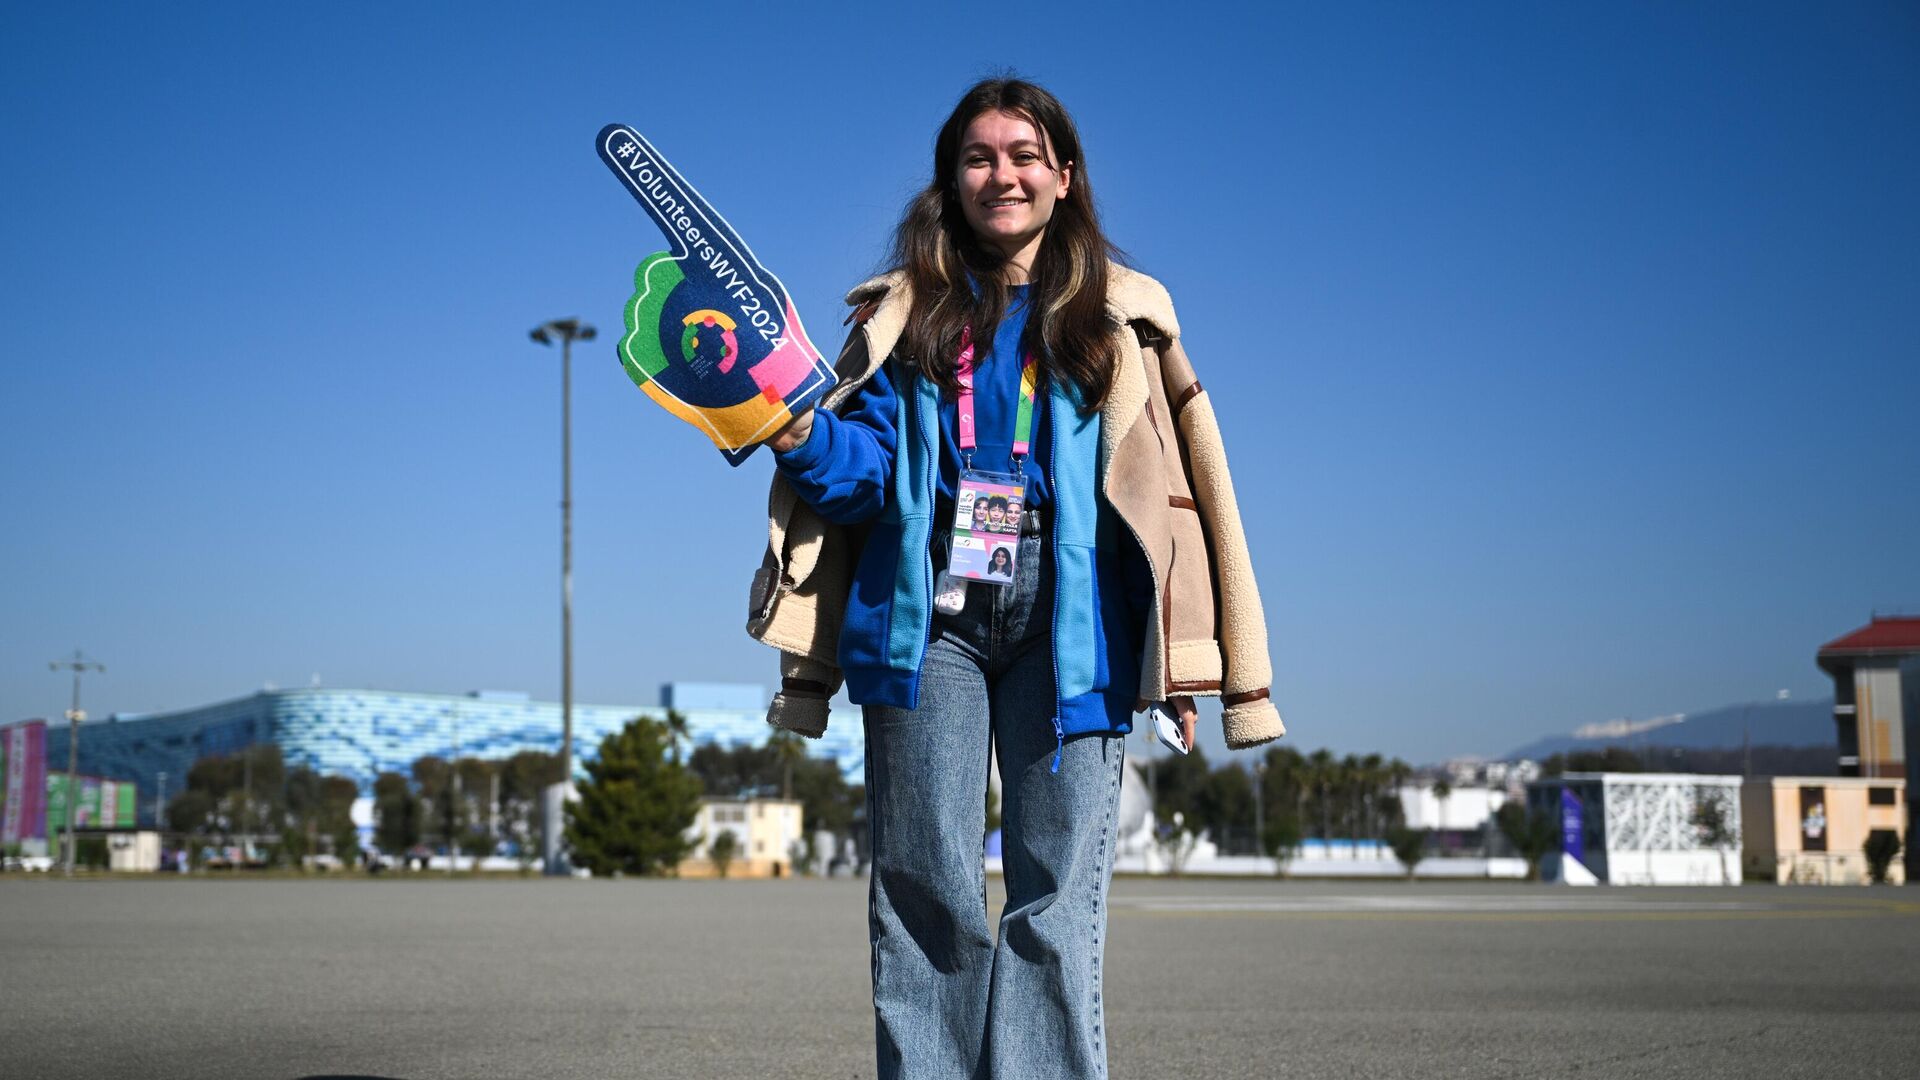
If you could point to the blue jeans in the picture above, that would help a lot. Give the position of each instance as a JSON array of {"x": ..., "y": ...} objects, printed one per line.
[{"x": 950, "y": 1000}]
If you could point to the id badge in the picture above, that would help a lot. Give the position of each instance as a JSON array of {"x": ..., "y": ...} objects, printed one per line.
[{"x": 986, "y": 527}]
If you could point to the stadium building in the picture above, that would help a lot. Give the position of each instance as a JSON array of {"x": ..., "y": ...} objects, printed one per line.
[{"x": 362, "y": 733}]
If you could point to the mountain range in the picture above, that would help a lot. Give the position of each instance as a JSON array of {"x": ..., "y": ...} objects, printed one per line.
[{"x": 1772, "y": 723}]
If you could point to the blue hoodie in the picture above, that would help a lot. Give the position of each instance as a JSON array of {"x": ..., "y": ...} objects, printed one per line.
[{"x": 856, "y": 467}]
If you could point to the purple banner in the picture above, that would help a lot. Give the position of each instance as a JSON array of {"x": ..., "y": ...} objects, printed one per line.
[
  {"x": 1573, "y": 839},
  {"x": 24, "y": 747}
]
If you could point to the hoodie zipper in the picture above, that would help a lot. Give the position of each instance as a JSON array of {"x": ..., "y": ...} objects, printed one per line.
[
  {"x": 931, "y": 446},
  {"x": 1053, "y": 542}
]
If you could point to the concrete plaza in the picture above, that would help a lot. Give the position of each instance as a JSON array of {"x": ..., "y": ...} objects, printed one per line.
[{"x": 421, "y": 978}]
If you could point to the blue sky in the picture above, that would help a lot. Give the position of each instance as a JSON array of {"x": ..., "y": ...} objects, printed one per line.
[{"x": 1566, "y": 356}]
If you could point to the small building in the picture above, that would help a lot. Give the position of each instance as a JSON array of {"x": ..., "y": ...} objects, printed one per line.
[
  {"x": 765, "y": 832},
  {"x": 134, "y": 852},
  {"x": 1812, "y": 830},
  {"x": 1460, "y": 819},
  {"x": 1642, "y": 828}
]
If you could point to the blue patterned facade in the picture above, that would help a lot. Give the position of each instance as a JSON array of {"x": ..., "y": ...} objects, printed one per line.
[{"x": 361, "y": 733}]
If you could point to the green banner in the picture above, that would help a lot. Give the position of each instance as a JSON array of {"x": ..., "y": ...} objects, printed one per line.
[{"x": 103, "y": 804}]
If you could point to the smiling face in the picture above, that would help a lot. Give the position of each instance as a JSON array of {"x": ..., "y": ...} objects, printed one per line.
[{"x": 1006, "y": 185}]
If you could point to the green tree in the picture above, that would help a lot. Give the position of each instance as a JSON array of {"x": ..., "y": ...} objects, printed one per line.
[
  {"x": 242, "y": 793},
  {"x": 827, "y": 801},
  {"x": 788, "y": 750},
  {"x": 722, "y": 850},
  {"x": 1322, "y": 781},
  {"x": 300, "y": 830},
  {"x": 678, "y": 732},
  {"x": 440, "y": 817},
  {"x": 1282, "y": 779},
  {"x": 1712, "y": 821},
  {"x": 1224, "y": 807},
  {"x": 318, "y": 816},
  {"x": 635, "y": 806},
  {"x": 732, "y": 772},
  {"x": 1178, "y": 780},
  {"x": 195, "y": 815},
  {"x": 1282, "y": 840},
  {"x": 397, "y": 814},
  {"x": 337, "y": 795},
  {"x": 259, "y": 799},
  {"x": 1532, "y": 834},
  {"x": 1881, "y": 846},
  {"x": 524, "y": 778},
  {"x": 1409, "y": 846}
]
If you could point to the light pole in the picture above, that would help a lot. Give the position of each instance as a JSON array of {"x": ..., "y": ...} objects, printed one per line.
[
  {"x": 453, "y": 804},
  {"x": 1259, "y": 809},
  {"x": 77, "y": 665},
  {"x": 567, "y": 331}
]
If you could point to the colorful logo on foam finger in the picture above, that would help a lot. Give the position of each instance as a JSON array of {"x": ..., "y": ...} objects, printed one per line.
[
  {"x": 710, "y": 333},
  {"x": 709, "y": 319}
]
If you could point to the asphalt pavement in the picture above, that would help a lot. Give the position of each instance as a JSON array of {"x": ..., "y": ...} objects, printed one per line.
[{"x": 418, "y": 979}]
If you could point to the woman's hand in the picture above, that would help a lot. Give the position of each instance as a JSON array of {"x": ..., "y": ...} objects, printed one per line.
[
  {"x": 794, "y": 433},
  {"x": 1183, "y": 708},
  {"x": 1189, "y": 718}
]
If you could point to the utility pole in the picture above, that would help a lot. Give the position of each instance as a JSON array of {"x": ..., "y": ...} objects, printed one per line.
[
  {"x": 78, "y": 665},
  {"x": 493, "y": 804},
  {"x": 1259, "y": 810},
  {"x": 246, "y": 804},
  {"x": 567, "y": 331},
  {"x": 453, "y": 802}
]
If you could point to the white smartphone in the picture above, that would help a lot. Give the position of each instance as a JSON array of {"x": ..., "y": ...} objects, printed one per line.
[{"x": 1166, "y": 727}]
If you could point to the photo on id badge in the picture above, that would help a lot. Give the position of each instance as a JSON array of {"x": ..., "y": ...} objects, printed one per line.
[{"x": 986, "y": 527}]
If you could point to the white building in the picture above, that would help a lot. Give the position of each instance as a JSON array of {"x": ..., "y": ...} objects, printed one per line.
[
  {"x": 765, "y": 834},
  {"x": 1641, "y": 828},
  {"x": 1465, "y": 810}
]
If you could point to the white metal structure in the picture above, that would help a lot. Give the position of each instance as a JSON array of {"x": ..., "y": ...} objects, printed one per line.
[{"x": 1642, "y": 828}]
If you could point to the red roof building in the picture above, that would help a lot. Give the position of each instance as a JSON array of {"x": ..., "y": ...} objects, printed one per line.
[
  {"x": 1876, "y": 694},
  {"x": 1885, "y": 636}
]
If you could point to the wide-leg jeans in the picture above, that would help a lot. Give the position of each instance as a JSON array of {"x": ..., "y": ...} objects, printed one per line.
[{"x": 951, "y": 999}]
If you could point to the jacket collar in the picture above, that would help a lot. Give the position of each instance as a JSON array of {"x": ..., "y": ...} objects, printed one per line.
[{"x": 1131, "y": 295}]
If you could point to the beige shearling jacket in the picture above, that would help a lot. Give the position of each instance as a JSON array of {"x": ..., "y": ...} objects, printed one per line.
[{"x": 1162, "y": 467}]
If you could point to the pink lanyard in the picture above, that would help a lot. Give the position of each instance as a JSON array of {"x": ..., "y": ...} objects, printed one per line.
[{"x": 1023, "y": 422}]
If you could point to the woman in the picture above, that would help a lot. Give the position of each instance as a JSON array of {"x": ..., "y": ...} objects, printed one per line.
[
  {"x": 1001, "y": 565},
  {"x": 1129, "y": 583}
]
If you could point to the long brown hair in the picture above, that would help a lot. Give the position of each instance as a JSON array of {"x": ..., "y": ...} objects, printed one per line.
[{"x": 1068, "y": 330}]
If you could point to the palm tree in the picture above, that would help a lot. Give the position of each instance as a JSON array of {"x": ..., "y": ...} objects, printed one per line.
[
  {"x": 1442, "y": 791},
  {"x": 1373, "y": 775},
  {"x": 677, "y": 733},
  {"x": 1321, "y": 773},
  {"x": 787, "y": 750}
]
